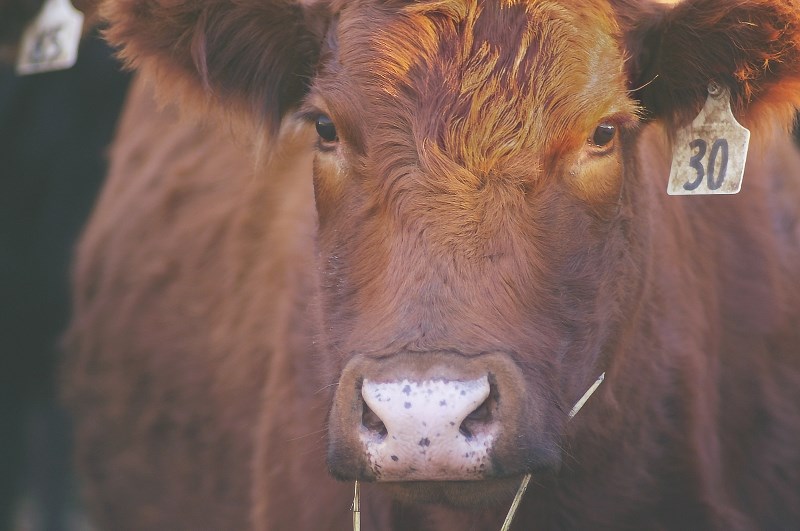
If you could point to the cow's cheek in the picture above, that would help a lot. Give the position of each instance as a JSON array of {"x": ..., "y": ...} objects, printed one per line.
[
  {"x": 329, "y": 185},
  {"x": 597, "y": 181}
]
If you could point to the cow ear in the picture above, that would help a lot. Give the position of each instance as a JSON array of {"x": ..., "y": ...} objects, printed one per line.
[
  {"x": 750, "y": 46},
  {"x": 255, "y": 56}
]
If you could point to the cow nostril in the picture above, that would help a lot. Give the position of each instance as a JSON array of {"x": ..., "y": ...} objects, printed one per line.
[
  {"x": 480, "y": 417},
  {"x": 372, "y": 422}
]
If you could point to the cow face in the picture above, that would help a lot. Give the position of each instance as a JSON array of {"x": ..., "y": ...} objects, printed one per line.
[
  {"x": 482, "y": 215},
  {"x": 468, "y": 182}
]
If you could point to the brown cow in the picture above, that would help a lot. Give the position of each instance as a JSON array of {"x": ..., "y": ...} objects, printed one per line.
[{"x": 420, "y": 291}]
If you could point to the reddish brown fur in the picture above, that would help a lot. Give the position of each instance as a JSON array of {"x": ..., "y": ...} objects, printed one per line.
[{"x": 462, "y": 210}]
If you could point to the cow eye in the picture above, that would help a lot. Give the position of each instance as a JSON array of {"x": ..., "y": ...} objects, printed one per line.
[
  {"x": 326, "y": 130},
  {"x": 604, "y": 135}
]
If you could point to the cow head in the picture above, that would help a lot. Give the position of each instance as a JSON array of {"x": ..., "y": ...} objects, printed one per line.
[{"x": 482, "y": 211}]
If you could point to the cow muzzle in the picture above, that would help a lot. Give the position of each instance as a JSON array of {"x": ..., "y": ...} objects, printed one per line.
[{"x": 427, "y": 417}]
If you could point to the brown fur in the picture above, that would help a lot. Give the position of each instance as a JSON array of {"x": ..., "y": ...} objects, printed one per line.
[
  {"x": 462, "y": 210},
  {"x": 751, "y": 49}
]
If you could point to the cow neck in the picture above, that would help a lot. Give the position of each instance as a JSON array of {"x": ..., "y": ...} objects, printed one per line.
[{"x": 522, "y": 486}]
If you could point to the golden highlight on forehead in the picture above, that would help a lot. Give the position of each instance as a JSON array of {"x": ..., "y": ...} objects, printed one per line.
[{"x": 489, "y": 79}]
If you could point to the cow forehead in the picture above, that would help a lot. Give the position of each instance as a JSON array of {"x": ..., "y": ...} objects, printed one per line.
[{"x": 484, "y": 80}]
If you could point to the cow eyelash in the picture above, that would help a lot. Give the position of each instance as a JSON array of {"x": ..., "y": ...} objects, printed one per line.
[
  {"x": 327, "y": 135},
  {"x": 326, "y": 130},
  {"x": 604, "y": 138},
  {"x": 604, "y": 134}
]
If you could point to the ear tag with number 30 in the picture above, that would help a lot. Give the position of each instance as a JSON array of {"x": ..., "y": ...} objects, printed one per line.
[
  {"x": 710, "y": 153},
  {"x": 51, "y": 41}
]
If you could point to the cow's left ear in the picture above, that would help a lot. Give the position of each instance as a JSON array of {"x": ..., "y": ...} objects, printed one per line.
[{"x": 750, "y": 46}]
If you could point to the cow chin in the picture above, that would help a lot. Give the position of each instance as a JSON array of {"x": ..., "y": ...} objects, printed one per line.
[{"x": 457, "y": 494}]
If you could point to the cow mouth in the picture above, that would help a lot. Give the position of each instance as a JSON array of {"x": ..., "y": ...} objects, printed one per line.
[{"x": 457, "y": 494}]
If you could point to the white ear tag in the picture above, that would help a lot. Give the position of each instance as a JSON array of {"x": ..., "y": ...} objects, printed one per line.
[
  {"x": 709, "y": 154},
  {"x": 51, "y": 41}
]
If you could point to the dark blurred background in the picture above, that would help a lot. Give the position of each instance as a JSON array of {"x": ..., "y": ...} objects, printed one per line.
[{"x": 55, "y": 129}]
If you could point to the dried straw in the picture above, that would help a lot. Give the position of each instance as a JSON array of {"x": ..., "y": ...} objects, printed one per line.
[
  {"x": 357, "y": 508},
  {"x": 522, "y": 486}
]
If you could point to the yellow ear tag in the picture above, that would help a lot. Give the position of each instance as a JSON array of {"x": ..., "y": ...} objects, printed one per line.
[
  {"x": 51, "y": 41},
  {"x": 709, "y": 154}
]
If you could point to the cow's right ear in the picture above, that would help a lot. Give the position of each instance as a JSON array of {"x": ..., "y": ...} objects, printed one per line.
[
  {"x": 750, "y": 46},
  {"x": 257, "y": 56}
]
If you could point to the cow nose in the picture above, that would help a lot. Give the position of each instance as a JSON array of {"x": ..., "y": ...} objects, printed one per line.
[
  {"x": 431, "y": 429},
  {"x": 438, "y": 416}
]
